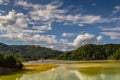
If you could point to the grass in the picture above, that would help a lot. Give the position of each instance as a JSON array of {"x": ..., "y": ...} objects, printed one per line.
[{"x": 28, "y": 69}]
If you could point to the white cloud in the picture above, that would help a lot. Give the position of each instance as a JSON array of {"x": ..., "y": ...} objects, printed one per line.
[
  {"x": 50, "y": 41},
  {"x": 4, "y": 2},
  {"x": 37, "y": 38},
  {"x": 112, "y": 35},
  {"x": 42, "y": 28},
  {"x": 99, "y": 38},
  {"x": 19, "y": 23},
  {"x": 116, "y": 9},
  {"x": 30, "y": 27},
  {"x": 114, "y": 20},
  {"x": 23, "y": 3},
  {"x": 16, "y": 36},
  {"x": 68, "y": 35},
  {"x": 1, "y": 1},
  {"x": 2, "y": 12},
  {"x": 15, "y": 26},
  {"x": 81, "y": 19},
  {"x": 112, "y": 32},
  {"x": 80, "y": 40},
  {"x": 51, "y": 13},
  {"x": 92, "y": 19},
  {"x": 47, "y": 39},
  {"x": 110, "y": 29},
  {"x": 83, "y": 39},
  {"x": 65, "y": 45},
  {"x": 13, "y": 19}
]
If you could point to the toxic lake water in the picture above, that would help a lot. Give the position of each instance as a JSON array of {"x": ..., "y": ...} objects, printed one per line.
[
  {"x": 62, "y": 74},
  {"x": 79, "y": 71}
]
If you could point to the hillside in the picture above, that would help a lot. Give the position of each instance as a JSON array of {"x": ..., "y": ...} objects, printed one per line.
[
  {"x": 94, "y": 52},
  {"x": 28, "y": 52},
  {"x": 86, "y": 52}
]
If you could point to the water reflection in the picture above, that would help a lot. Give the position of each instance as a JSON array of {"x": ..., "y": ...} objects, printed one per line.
[
  {"x": 99, "y": 77},
  {"x": 54, "y": 74},
  {"x": 62, "y": 73}
]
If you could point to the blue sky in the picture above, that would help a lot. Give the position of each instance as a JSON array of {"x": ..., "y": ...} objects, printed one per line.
[{"x": 59, "y": 24}]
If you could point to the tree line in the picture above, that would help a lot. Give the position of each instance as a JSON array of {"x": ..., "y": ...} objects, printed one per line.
[
  {"x": 29, "y": 52},
  {"x": 93, "y": 52},
  {"x": 10, "y": 61},
  {"x": 86, "y": 52}
]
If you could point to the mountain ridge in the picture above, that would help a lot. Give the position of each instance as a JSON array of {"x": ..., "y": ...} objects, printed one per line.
[
  {"x": 93, "y": 52},
  {"x": 85, "y": 52},
  {"x": 29, "y": 52}
]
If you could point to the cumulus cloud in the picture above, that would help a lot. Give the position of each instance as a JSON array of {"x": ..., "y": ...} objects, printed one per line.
[
  {"x": 15, "y": 26},
  {"x": 85, "y": 38},
  {"x": 13, "y": 22},
  {"x": 81, "y": 39},
  {"x": 68, "y": 34},
  {"x": 13, "y": 19},
  {"x": 64, "y": 44},
  {"x": 19, "y": 23}
]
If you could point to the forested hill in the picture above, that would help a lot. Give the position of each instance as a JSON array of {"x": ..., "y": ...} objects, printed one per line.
[
  {"x": 86, "y": 52},
  {"x": 94, "y": 52},
  {"x": 29, "y": 52}
]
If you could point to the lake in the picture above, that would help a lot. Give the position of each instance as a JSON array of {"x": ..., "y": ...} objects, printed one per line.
[{"x": 109, "y": 70}]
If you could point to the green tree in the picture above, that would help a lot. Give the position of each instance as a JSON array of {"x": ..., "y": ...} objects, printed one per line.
[
  {"x": 19, "y": 65},
  {"x": 1, "y": 59},
  {"x": 10, "y": 60},
  {"x": 116, "y": 55}
]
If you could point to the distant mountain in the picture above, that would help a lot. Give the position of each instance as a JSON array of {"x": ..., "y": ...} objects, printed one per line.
[
  {"x": 93, "y": 52},
  {"x": 29, "y": 52}
]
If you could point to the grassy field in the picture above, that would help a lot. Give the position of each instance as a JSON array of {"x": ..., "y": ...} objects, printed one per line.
[{"x": 28, "y": 69}]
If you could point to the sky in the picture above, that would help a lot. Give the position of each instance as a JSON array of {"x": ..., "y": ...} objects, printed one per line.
[{"x": 62, "y": 25}]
